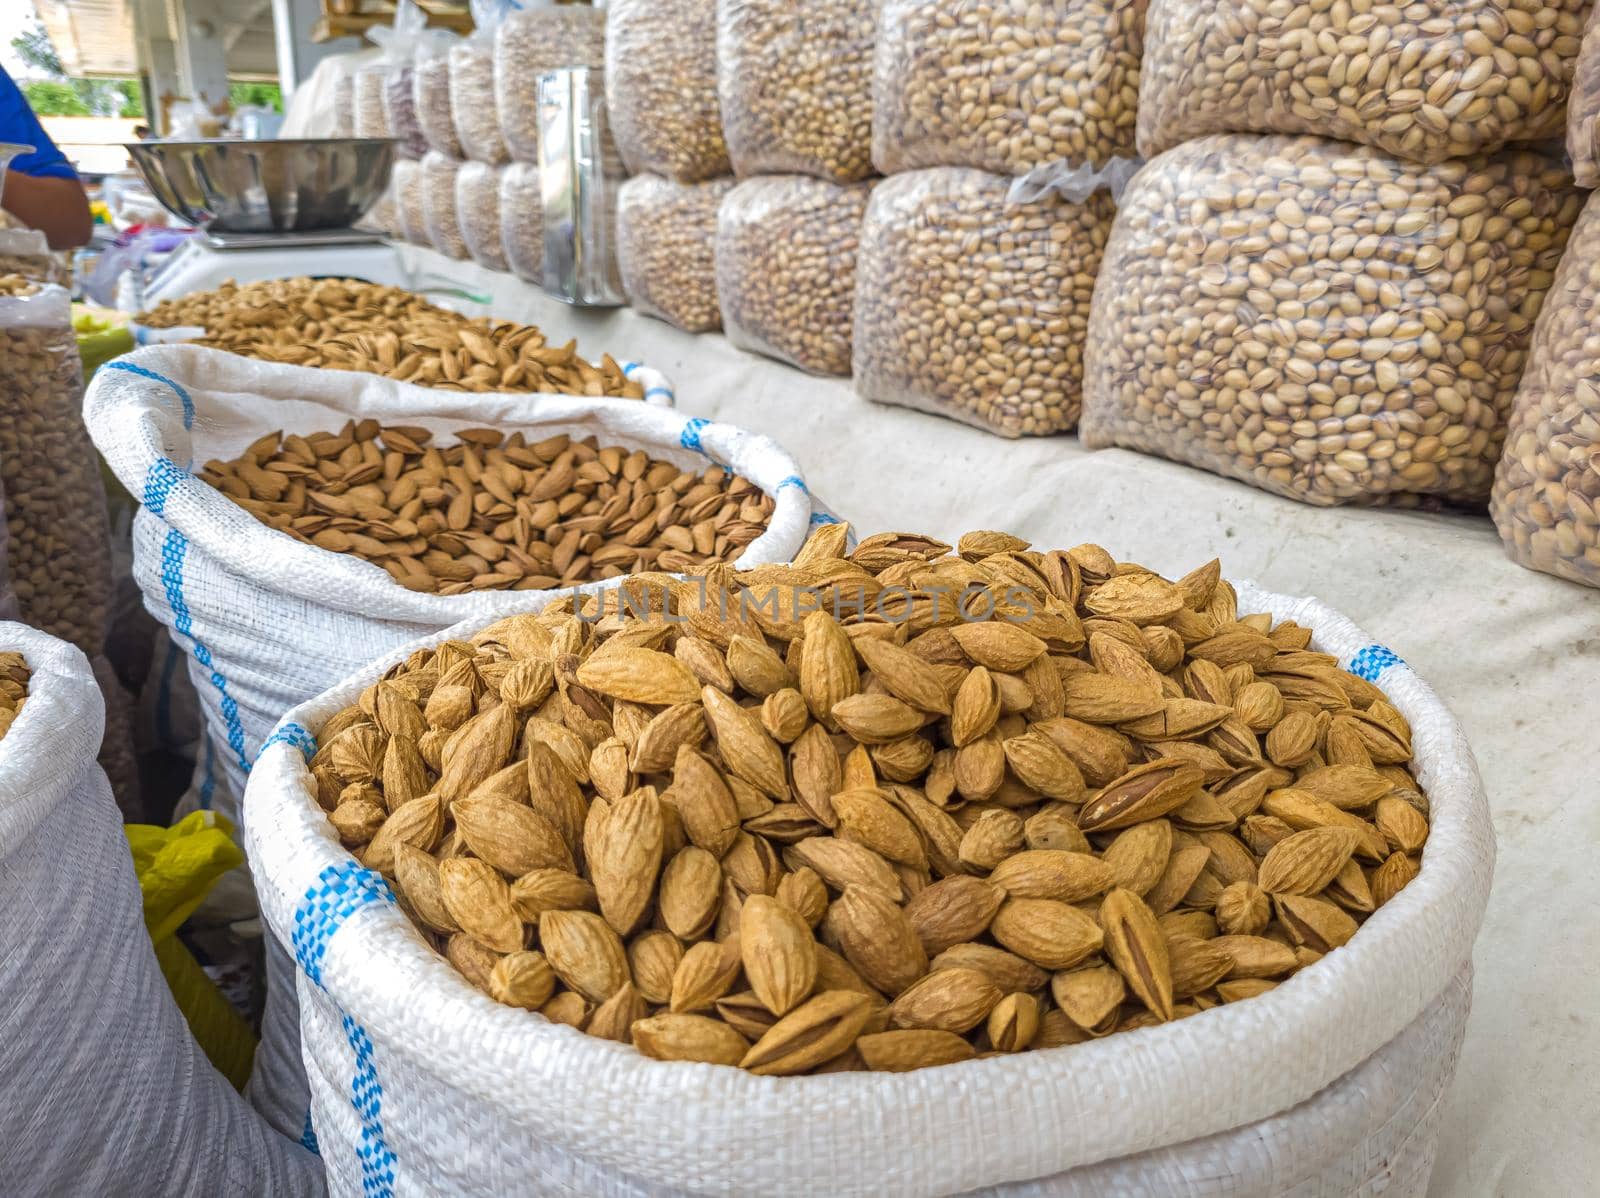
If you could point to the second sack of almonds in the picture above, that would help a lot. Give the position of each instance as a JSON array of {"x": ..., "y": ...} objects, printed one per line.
[{"x": 886, "y": 808}]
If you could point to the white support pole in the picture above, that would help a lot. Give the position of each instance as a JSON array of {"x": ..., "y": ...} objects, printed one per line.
[
  {"x": 158, "y": 59},
  {"x": 298, "y": 55},
  {"x": 202, "y": 55}
]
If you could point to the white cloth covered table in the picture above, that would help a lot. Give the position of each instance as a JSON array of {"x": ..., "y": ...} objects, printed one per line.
[{"x": 1516, "y": 655}]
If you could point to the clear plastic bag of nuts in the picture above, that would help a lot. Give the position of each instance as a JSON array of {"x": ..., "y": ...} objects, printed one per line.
[
  {"x": 1320, "y": 319},
  {"x": 27, "y": 253},
  {"x": 384, "y": 215},
  {"x": 371, "y": 113},
  {"x": 973, "y": 306},
  {"x": 430, "y": 92},
  {"x": 786, "y": 268},
  {"x": 1425, "y": 80},
  {"x": 1546, "y": 500},
  {"x": 439, "y": 216},
  {"x": 543, "y": 36},
  {"x": 1005, "y": 85},
  {"x": 399, "y": 45},
  {"x": 661, "y": 88},
  {"x": 1583, "y": 109},
  {"x": 796, "y": 95},
  {"x": 522, "y": 221},
  {"x": 472, "y": 98},
  {"x": 666, "y": 249},
  {"x": 60, "y": 555},
  {"x": 410, "y": 218},
  {"x": 344, "y": 107},
  {"x": 478, "y": 210}
]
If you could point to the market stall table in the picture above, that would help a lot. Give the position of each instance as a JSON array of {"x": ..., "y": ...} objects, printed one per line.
[{"x": 1514, "y": 653}]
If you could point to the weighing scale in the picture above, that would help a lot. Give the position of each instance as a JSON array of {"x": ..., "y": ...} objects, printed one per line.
[{"x": 210, "y": 259}]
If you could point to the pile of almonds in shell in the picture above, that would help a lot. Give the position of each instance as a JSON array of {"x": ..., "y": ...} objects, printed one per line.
[
  {"x": 880, "y": 809},
  {"x": 491, "y": 512},
  {"x": 14, "y": 676}
]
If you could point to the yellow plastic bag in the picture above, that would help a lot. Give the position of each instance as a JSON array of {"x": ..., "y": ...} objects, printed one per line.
[{"x": 177, "y": 867}]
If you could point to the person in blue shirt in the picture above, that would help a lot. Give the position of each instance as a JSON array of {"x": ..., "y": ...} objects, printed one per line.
[{"x": 41, "y": 189}]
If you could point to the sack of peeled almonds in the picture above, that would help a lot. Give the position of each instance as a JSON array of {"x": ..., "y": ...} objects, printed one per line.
[
  {"x": 1426, "y": 81},
  {"x": 348, "y": 324},
  {"x": 1322, "y": 320},
  {"x": 876, "y": 811},
  {"x": 359, "y": 512}
]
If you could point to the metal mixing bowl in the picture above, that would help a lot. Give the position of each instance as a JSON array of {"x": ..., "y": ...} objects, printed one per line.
[{"x": 266, "y": 186}]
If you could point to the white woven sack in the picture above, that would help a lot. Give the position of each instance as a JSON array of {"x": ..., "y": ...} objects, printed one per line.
[
  {"x": 106, "y": 1091},
  {"x": 1327, "y": 1085},
  {"x": 268, "y": 621}
]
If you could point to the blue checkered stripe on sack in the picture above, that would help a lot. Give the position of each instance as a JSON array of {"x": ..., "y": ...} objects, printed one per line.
[
  {"x": 292, "y": 734},
  {"x": 366, "y": 1096},
  {"x": 338, "y": 893},
  {"x": 651, "y": 394},
  {"x": 164, "y": 475},
  {"x": 173, "y": 551},
  {"x": 142, "y": 372},
  {"x": 308, "y": 1135},
  {"x": 689, "y": 438},
  {"x": 1372, "y": 661}
]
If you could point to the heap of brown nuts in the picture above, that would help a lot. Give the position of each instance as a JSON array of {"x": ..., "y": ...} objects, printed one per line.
[
  {"x": 347, "y": 324},
  {"x": 14, "y": 676},
  {"x": 491, "y": 512},
  {"x": 1012, "y": 800}
]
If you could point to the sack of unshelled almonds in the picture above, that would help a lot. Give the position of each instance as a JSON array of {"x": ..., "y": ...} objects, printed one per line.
[
  {"x": 1427, "y": 81},
  {"x": 786, "y": 268},
  {"x": 1546, "y": 500},
  {"x": 1005, "y": 85},
  {"x": 796, "y": 94},
  {"x": 1320, "y": 319},
  {"x": 329, "y": 515},
  {"x": 972, "y": 305},
  {"x": 666, "y": 249},
  {"x": 661, "y": 88},
  {"x": 538, "y": 37},
  {"x": 96, "y": 1049},
  {"x": 975, "y": 835}
]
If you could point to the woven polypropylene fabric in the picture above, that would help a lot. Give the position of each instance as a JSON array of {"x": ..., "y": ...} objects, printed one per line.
[
  {"x": 106, "y": 1091},
  {"x": 264, "y": 621},
  {"x": 475, "y": 1096}
]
